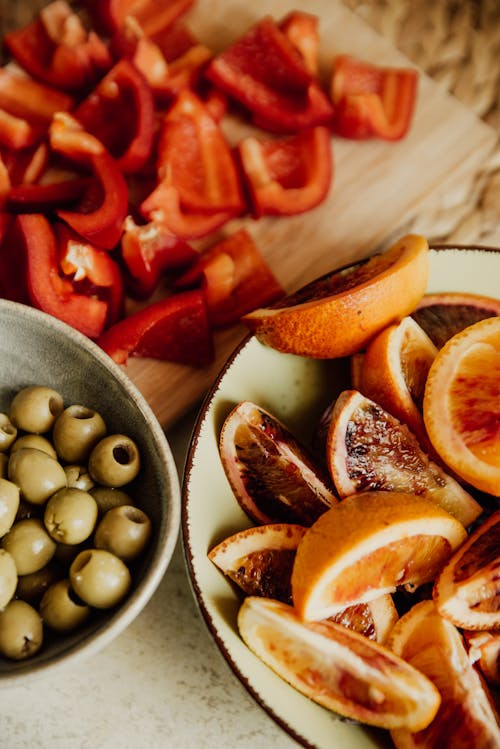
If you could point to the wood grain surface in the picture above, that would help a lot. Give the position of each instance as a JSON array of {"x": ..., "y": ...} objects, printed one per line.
[{"x": 378, "y": 187}]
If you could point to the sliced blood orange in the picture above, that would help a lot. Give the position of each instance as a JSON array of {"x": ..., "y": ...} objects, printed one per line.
[
  {"x": 366, "y": 546},
  {"x": 394, "y": 370},
  {"x": 462, "y": 405},
  {"x": 337, "y": 668},
  {"x": 367, "y": 449},
  {"x": 339, "y": 313},
  {"x": 466, "y": 717},
  {"x": 467, "y": 591},
  {"x": 272, "y": 475},
  {"x": 260, "y": 560},
  {"x": 484, "y": 651},
  {"x": 445, "y": 314}
]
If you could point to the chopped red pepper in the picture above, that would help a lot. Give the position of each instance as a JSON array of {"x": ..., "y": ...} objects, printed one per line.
[
  {"x": 31, "y": 249},
  {"x": 29, "y": 198},
  {"x": 173, "y": 329},
  {"x": 264, "y": 71},
  {"x": 100, "y": 214},
  {"x": 289, "y": 175},
  {"x": 235, "y": 277},
  {"x": 27, "y": 165},
  {"x": 302, "y": 30},
  {"x": 31, "y": 100},
  {"x": 153, "y": 16},
  {"x": 148, "y": 251},
  {"x": 372, "y": 101},
  {"x": 120, "y": 112},
  {"x": 56, "y": 49}
]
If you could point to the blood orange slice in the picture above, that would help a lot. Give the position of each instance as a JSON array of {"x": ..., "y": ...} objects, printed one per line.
[
  {"x": 339, "y": 313},
  {"x": 367, "y": 449},
  {"x": 260, "y": 560},
  {"x": 445, "y": 314},
  {"x": 462, "y": 405},
  {"x": 272, "y": 475},
  {"x": 337, "y": 668},
  {"x": 467, "y": 591},
  {"x": 366, "y": 546},
  {"x": 466, "y": 717}
]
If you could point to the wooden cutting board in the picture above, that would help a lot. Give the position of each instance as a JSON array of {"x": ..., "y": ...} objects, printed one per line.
[{"x": 377, "y": 188}]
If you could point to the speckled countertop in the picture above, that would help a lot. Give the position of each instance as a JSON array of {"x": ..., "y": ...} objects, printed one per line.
[{"x": 161, "y": 684}]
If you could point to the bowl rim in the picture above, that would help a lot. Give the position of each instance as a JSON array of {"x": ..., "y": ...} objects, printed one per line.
[
  {"x": 185, "y": 529},
  {"x": 168, "y": 532}
]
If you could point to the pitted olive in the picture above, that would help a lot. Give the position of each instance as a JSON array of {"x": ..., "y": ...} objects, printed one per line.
[
  {"x": 70, "y": 515},
  {"x": 35, "y": 408},
  {"x": 8, "y": 578},
  {"x": 38, "y": 441},
  {"x": 114, "y": 461},
  {"x": 9, "y": 505},
  {"x": 107, "y": 497},
  {"x": 61, "y": 609},
  {"x": 76, "y": 430},
  {"x": 99, "y": 578},
  {"x": 125, "y": 531},
  {"x": 21, "y": 630},
  {"x": 37, "y": 475},
  {"x": 30, "y": 545},
  {"x": 8, "y": 433}
]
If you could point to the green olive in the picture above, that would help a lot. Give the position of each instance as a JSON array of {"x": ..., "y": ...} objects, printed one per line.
[
  {"x": 9, "y": 505},
  {"x": 35, "y": 408},
  {"x": 107, "y": 497},
  {"x": 70, "y": 515},
  {"x": 32, "y": 587},
  {"x": 8, "y": 578},
  {"x": 21, "y": 630},
  {"x": 99, "y": 578},
  {"x": 38, "y": 441},
  {"x": 78, "y": 477},
  {"x": 8, "y": 433},
  {"x": 114, "y": 461},
  {"x": 37, "y": 475},
  {"x": 30, "y": 545},
  {"x": 125, "y": 531},
  {"x": 61, "y": 609},
  {"x": 76, "y": 430}
]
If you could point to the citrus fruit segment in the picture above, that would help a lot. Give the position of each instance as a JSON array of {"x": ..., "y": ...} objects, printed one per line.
[
  {"x": 394, "y": 371},
  {"x": 462, "y": 405},
  {"x": 367, "y": 449},
  {"x": 272, "y": 475},
  {"x": 466, "y": 717},
  {"x": 260, "y": 560},
  {"x": 337, "y": 668},
  {"x": 484, "y": 651},
  {"x": 338, "y": 314},
  {"x": 366, "y": 546},
  {"x": 467, "y": 591},
  {"x": 443, "y": 315}
]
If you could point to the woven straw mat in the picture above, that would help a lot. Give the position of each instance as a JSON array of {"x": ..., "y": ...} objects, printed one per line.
[{"x": 457, "y": 43}]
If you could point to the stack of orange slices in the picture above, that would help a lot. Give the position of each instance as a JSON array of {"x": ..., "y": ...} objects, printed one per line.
[{"x": 379, "y": 600}]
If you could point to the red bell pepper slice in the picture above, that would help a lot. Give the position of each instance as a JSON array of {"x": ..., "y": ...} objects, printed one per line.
[
  {"x": 153, "y": 16},
  {"x": 173, "y": 329},
  {"x": 148, "y": 251},
  {"x": 235, "y": 277},
  {"x": 100, "y": 214},
  {"x": 194, "y": 153},
  {"x": 29, "y": 198},
  {"x": 290, "y": 175},
  {"x": 31, "y": 100},
  {"x": 265, "y": 72},
  {"x": 34, "y": 244},
  {"x": 372, "y": 101},
  {"x": 302, "y": 30},
  {"x": 17, "y": 133},
  {"x": 56, "y": 49},
  {"x": 120, "y": 112},
  {"x": 27, "y": 165}
]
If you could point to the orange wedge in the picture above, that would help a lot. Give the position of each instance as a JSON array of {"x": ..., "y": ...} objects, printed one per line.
[
  {"x": 394, "y": 370},
  {"x": 466, "y": 717},
  {"x": 366, "y": 546},
  {"x": 484, "y": 651},
  {"x": 467, "y": 591},
  {"x": 339, "y": 313},
  {"x": 443, "y": 315},
  {"x": 367, "y": 449},
  {"x": 260, "y": 559},
  {"x": 272, "y": 475},
  {"x": 339, "y": 669},
  {"x": 462, "y": 405}
]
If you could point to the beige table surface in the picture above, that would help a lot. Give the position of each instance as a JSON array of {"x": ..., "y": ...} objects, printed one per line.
[{"x": 163, "y": 683}]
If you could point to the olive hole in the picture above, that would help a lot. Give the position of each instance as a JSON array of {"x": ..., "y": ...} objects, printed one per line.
[
  {"x": 83, "y": 413},
  {"x": 82, "y": 560},
  {"x": 135, "y": 515},
  {"x": 8, "y": 429},
  {"x": 55, "y": 406},
  {"x": 122, "y": 454}
]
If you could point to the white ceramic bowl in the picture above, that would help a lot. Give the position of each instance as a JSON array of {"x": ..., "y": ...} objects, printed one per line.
[
  {"x": 296, "y": 390},
  {"x": 37, "y": 349}
]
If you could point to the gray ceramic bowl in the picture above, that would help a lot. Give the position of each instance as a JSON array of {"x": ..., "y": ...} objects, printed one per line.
[{"x": 35, "y": 348}]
